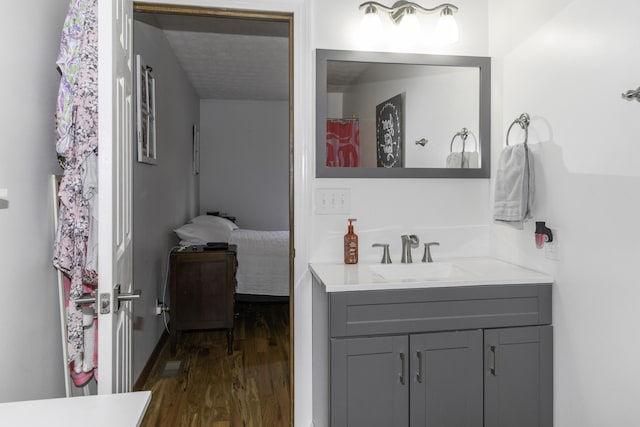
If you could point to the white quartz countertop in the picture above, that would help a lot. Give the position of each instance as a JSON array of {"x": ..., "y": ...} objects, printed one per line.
[
  {"x": 122, "y": 410},
  {"x": 338, "y": 277}
]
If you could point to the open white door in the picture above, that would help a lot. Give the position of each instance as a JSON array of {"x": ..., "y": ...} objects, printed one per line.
[{"x": 115, "y": 267}]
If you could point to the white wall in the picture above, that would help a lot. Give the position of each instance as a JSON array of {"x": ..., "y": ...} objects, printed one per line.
[
  {"x": 165, "y": 195},
  {"x": 566, "y": 65},
  {"x": 386, "y": 208},
  {"x": 29, "y": 319},
  {"x": 244, "y": 172}
]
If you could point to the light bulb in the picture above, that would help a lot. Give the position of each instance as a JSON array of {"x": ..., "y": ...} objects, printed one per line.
[
  {"x": 447, "y": 29},
  {"x": 409, "y": 25},
  {"x": 370, "y": 25}
]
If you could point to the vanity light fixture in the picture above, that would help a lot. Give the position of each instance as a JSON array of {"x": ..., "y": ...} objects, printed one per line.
[{"x": 404, "y": 13}]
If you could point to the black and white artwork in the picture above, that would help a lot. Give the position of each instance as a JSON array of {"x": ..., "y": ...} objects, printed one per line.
[{"x": 389, "y": 133}]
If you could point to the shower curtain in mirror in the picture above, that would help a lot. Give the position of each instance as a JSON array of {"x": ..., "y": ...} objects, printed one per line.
[{"x": 343, "y": 143}]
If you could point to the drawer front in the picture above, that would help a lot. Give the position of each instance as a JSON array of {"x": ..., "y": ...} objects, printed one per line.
[
  {"x": 202, "y": 290},
  {"x": 438, "y": 309}
]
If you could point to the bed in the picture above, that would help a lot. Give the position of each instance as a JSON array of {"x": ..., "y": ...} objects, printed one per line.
[{"x": 263, "y": 256}]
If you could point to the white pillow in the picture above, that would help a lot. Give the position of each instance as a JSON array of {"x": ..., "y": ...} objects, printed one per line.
[
  {"x": 216, "y": 221},
  {"x": 203, "y": 233}
]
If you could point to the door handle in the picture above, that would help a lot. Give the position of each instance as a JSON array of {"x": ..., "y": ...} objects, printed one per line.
[
  {"x": 120, "y": 297},
  {"x": 402, "y": 368},
  {"x": 495, "y": 360},
  {"x": 419, "y": 375},
  {"x": 85, "y": 299}
]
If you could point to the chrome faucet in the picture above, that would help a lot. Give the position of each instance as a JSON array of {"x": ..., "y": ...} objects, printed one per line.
[
  {"x": 427, "y": 251},
  {"x": 386, "y": 259},
  {"x": 408, "y": 242}
]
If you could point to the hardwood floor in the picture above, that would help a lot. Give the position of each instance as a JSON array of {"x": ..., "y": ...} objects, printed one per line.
[{"x": 247, "y": 388}]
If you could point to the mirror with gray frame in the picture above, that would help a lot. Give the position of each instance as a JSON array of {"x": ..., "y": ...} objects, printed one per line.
[{"x": 393, "y": 115}]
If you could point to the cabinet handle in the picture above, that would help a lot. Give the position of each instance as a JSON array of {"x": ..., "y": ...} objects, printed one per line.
[
  {"x": 495, "y": 359},
  {"x": 402, "y": 368},
  {"x": 419, "y": 376}
]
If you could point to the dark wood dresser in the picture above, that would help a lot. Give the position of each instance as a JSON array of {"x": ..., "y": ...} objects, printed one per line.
[{"x": 203, "y": 284}]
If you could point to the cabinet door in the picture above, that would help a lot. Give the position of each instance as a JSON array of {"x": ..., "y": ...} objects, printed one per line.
[
  {"x": 446, "y": 379},
  {"x": 519, "y": 377},
  {"x": 369, "y": 382}
]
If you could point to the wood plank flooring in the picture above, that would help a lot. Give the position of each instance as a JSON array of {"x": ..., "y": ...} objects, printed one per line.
[{"x": 248, "y": 388}]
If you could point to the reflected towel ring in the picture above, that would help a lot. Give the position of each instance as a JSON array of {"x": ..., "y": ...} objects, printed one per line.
[
  {"x": 464, "y": 134},
  {"x": 523, "y": 121}
]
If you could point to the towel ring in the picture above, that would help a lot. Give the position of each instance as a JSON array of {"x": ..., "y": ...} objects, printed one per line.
[
  {"x": 523, "y": 121},
  {"x": 464, "y": 134}
]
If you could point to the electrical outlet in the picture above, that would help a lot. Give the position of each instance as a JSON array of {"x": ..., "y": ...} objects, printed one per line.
[
  {"x": 159, "y": 307},
  {"x": 551, "y": 248},
  {"x": 332, "y": 201}
]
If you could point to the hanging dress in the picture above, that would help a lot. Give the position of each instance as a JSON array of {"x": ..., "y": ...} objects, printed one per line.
[{"x": 77, "y": 147}]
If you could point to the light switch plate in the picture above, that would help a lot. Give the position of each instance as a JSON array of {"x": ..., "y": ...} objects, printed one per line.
[{"x": 333, "y": 201}]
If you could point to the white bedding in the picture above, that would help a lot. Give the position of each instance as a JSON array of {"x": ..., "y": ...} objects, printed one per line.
[{"x": 263, "y": 261}]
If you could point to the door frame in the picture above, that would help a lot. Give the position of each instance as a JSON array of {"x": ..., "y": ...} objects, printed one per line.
[{"x": 288, "y": 17}]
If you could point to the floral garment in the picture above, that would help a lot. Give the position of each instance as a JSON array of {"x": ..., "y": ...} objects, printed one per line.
[{"x": 76, "y": 141}]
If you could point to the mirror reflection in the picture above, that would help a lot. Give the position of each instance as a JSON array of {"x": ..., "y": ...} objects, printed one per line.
[
  {"x": 400, "y": 115},
  {"x": 387, "y": 115}
]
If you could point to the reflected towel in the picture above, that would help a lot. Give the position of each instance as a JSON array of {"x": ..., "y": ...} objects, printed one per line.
[
  {"x": 462, "y": 160},
  {"x": 514, "y": 185}
]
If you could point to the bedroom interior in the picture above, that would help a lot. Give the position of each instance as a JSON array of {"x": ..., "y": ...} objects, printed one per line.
[{"x": 238, "y": 196}]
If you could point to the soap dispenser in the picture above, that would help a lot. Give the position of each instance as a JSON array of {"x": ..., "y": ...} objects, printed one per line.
[{"x": 351, "y": 245}]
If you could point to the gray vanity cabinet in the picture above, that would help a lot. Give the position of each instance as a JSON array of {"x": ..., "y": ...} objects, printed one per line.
[
  {"x": 463, "y": 357},
  {"x": 417, "y": 380},
  {"x": 519, "y": 377},
  {"x": 446, "y": 379},
  {"x": 369, "y": 384}
]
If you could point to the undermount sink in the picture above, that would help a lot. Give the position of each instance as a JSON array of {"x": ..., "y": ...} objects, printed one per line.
[{"x": 417, "y": 271}]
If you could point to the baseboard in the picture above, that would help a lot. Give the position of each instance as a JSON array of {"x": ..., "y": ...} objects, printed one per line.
[{"x": 155, "y": 354}]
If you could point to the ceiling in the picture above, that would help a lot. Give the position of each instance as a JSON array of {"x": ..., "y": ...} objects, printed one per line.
[{"x": 229, "y": 58}]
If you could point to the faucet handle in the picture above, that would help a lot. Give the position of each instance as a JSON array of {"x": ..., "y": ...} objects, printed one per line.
[
  {"x": 427, "y": 251},
  {"x": 386, "y": 259}
]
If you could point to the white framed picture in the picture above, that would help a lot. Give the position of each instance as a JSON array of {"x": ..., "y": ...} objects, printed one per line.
[{"x": 145, "y": 113}]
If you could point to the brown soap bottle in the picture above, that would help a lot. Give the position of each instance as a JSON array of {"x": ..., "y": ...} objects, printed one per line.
[{"x": 351, "y": 245}]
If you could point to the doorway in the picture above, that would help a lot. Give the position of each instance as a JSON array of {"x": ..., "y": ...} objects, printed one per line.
[{"x": 249, "y": 22}]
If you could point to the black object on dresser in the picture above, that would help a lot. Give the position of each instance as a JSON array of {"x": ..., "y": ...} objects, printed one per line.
[{"x": 203, "y": 284}]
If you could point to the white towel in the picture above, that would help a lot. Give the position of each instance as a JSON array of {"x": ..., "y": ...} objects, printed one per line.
[
  {"x": 454, "y": 160},
  {"x": 463, "y": 160},
  {"x": 514, "y": 185},
  {"x": 470, "y": 160}
]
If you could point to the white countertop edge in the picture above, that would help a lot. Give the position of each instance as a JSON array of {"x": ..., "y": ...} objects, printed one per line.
[
  {"x": 524, "y": 276},
  {"x": 123, "y": 409},
  {"x": 425, "y": 284}
]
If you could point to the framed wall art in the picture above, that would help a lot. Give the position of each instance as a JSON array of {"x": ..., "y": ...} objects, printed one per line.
[
  {"x": 390, "y": 133},
  {"x": 196, "y": 150},
  {"x": 145, "y": 113}
]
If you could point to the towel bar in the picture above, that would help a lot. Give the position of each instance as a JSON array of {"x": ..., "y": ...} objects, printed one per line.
[
  {"x": 631, "y": 94},
  {"x": 464, "y": 134},
  {"x": 523, "y": 121}
]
